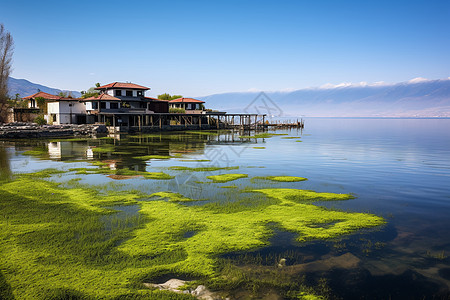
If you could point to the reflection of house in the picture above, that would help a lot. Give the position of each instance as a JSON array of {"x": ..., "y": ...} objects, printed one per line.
[
  {"x": 60, "y": 110},
  {"x": 191, "y": 106}
]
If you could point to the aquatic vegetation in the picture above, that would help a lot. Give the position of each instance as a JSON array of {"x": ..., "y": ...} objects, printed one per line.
[
  {"x": 261, "y": 135},
  {"x": 72, "y": 140},
  {"x": 290, "y": 137},
  {"x": 299, "y": 141},
  {"x": 229, "y": 187},
  {"x": 36, "y": 152},
  {"x": 194, "y": 160},
  {"x": 201, "y": 169},
  {"x": 259, "y": 147},
  {"x": 104, "y": 148},
  {"x": 125, "y": 173},
  {"x": 281, "y": 178},
  {"x": 203, "y": 132},
  {"x": 173, "y": 197},
  {"x": 226, "y": 177},
  {"x": 69, "y": 241},
  {"x": 148, "y": 157}
]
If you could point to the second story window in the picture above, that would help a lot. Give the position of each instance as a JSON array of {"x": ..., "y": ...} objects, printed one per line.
[
  {"x": 114, "y": 105},
  {"x": 129, "y": 93},
  {"x": 118, "y": 92},
  {"x": 140, "y": 93},
  {"x": 103, "y": 105}
]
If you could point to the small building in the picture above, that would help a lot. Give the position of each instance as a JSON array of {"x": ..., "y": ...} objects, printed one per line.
[
  {"x": 191, "y": 106},
  {"x": 33, "y": 103},
  {"x": 58, "y": 110}
]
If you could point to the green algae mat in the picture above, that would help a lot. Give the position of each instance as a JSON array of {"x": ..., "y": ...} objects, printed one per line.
[{"x": 71, "y": 243}]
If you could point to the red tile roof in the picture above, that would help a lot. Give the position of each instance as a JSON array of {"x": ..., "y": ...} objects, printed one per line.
[
  {"x": 50, "y": 97},
  {"x": 43, "y": 95},
  {"x": 186, "y": 100},
  {"x": 102, "y": 97},
  {"x": 122, "y": 85}
]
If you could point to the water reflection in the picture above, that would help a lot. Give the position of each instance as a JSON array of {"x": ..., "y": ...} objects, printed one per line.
[
  {"x": 398, "y": 169},
  {"x": 5, "y": 167}
]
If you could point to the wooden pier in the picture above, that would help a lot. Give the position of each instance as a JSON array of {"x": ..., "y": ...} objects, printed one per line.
[
  {"x": 210, "y": 120},
  {"x": 287, "y": 124}
]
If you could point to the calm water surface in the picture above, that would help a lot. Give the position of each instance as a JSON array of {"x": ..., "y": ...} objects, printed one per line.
[{"x": 396, "y": 168}]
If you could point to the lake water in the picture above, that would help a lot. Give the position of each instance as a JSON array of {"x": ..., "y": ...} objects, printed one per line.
[{"x": 396, "y": 168}]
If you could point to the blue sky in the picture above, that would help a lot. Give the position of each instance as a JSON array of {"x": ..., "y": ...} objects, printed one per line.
[{"x": 196, "y": 48}]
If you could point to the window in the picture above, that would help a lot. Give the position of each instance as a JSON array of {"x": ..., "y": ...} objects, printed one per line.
[
  {"x": 118, "y": 92},
  {"x": 140, "y": 93},
  {"x": 102, "y": 104},
  {"x": 129, "y": 93},
  {"x": 114, "y": 105},
  {"x": 94, "y": 105}
]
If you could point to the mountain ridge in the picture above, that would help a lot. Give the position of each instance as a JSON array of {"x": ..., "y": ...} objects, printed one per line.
[
  {"x": 415, "y": 98},
  {"x": 422, "y": 98},
  {"x": 25, "y": 88}
]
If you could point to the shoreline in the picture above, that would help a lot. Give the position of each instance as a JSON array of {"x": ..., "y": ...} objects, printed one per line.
[{"x": 32, "y": 130}]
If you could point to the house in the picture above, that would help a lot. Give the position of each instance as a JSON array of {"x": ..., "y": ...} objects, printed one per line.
[
  {"x": 122, "y": 104},
  {"x": 33, "y": 103},
  {"x": 57, "y": 109},
  {"x": 191, "y": 106}
]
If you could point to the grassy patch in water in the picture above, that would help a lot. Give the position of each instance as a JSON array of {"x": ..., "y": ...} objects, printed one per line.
[
  {"x": 201, "y": 169},
  {"x": 70, "y": 239},
  {"x": 194, "y": 160},
  {"x": 259, "y": 147},
  {"x": 226, "y": 177},
  {"x": 281, "y": 178},
  {"x": 103, "y": 149},
  {"x": 36, "y": 152},
  {"x": 203, "y": 132},
  {"x": 148, "y": 157},
  {"x": 124, "y": 173},
  {"x": 261, "y": 135},
  {"x": 173, "y": 197},
  {"x": 290, "y": 137}
]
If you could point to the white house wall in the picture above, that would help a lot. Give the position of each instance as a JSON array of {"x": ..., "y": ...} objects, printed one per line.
[
  {"x": 112, "y": 92},
  {"x": 64, "y": 110}
]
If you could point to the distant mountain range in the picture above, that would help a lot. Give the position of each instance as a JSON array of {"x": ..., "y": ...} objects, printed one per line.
[
  {"x": 415, "y": 98},
  {"x": 25, "y": 88}
]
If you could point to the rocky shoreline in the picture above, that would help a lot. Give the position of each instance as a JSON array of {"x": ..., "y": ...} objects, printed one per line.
[{"x": 19, "y": 130}]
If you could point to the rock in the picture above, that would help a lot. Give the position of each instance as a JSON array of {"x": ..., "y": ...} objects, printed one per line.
[
  {"x": 30, "y": 130},
  {"x": 282, "y": 263},
  {"x": 173, "y": 285}
]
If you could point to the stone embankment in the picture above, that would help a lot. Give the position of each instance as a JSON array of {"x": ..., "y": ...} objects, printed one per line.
[{"x": 19, "y": 130}]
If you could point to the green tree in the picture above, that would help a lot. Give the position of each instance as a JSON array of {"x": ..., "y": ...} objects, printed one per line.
[
  {"x": 6, "y": 52},
  {"x": 168, "y": 97},
  {"x": 62, "y": 94},
  {"x": 42, "y": 104},
  {"x": 91, "y": 92}
]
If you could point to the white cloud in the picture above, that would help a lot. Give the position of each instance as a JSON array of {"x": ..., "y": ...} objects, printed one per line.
[{"x": 418, "y": 79}]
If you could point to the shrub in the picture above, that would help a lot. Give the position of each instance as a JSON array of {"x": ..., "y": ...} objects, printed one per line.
[
  {"x": 177, "y": 110},
  {"x": 40, "y": 120}
]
